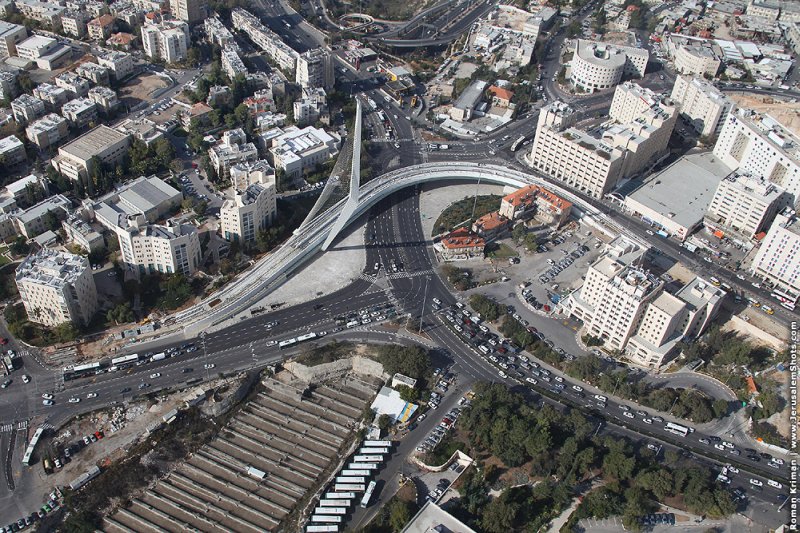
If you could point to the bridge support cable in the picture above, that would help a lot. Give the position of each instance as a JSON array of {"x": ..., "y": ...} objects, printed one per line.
[{"x": 355, "y": 182}]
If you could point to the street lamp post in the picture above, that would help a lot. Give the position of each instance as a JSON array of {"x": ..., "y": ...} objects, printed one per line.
[
  {"x": 205, "y": 355},
  {"x": 424, "y": 298}
]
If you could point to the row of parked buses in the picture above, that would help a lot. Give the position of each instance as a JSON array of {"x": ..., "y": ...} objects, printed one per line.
[
  {"x": 350, "y": 485},
  {"x": 118, "y": 363}
]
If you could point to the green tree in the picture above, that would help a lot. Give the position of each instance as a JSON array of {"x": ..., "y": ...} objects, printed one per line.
[
  {"x": 120, "y": 314},
  {"x": 384, "y": 422},
  {"x": 399, "y": 514},
  {"x": 411, "y": 361}
]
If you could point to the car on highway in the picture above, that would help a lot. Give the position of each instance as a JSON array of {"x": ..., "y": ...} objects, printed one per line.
[
  {"x": 47, "y": 402},
  {"x": 774, "y": 484},
  {"x": 209, "y": 366},
  {"x": 74, "y": 399},
  {"x": 91, "y": 395},
  {"x": 5, "y": 384},
  {"x": 26, "y": 378},
  {"x": 628, "y": 414},
  {"x": 47, "y": 396},
  {"x": 756, "y": 483},
  {"x": 187, "y": 370},
  {"x": 155, "y": 375}
]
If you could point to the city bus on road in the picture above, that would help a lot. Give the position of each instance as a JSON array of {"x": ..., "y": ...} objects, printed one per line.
[
  {"x": 125, "y": 361},
  {"x": 676, "y": 429},
  {"x": 515, "y": 146},
  {"x": 368, "y": 494},
  {"x": 787, "y": 300},
  {"x": 81, "y": 371}
]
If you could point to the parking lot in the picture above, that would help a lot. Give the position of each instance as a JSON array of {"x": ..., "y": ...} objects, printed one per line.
[{"x": 196, "y": 187}]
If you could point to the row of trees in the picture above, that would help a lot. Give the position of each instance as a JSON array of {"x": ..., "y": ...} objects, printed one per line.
[{"x": 562, "y": 450}]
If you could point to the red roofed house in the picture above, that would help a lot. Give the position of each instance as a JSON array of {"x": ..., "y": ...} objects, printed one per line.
[
  {"x": 121, "y": 40},
  {"x": 100, "y": 28},
  {"x": 460, "y": 245},
  {"x": 534, "y": 200},
  {"x": 491, "y": 226},
  {"x": 501, "y": 97}
]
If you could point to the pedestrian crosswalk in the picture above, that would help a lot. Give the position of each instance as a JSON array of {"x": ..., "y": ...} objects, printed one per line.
[
  {"x": 8, "y": 427},
  {"x": 402, "y": 275}
]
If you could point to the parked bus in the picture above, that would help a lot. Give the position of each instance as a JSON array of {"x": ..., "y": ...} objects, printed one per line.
[
  {"x": 348, "y": 487},
  {"x": 367, "y": 459},
  {"x": 368, "y": 494},
  {"x": 365, "y": 473},
  {"x": 367, "y": 451},
  {"x": 327, "y": 518},
  {"x": 334, "y": 503},
  {"x": 26, "y": 458},
  {"x": 331, "y": 510},
  {"x": 340, "y": 495},
  {"x": 125, "y": 361},
  {"x": 80, "y": 371},
  {"x": 363, "y": 466},
  {"x": 322, "y": 528},
  {"x": 351, "y": 479},
  {"x": 377, "y": 443},
  {"x": 676, "y": 429},
  {"x": 515, "y": 146}
]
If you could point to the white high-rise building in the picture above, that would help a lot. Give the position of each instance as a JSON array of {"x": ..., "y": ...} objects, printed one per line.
[
  {"x": 758, "y": 144},
  {"x": 232, "y": 149},
  {"x": 249, "y": 211},
  {"x": 630, "y": 101},
  {"x": 56, "y": 288},
  {"x": 150, "y": 248},
  {"x": 778, "y": 257},
  {"x": 702, "y": 104},
  {"x": 614, "y": 294},
  {"x": 297, "y": 150},
  {"x": 596, "y": 66},
  {"x": 595, "y": 164},
  {"x": 249, "y": 173},
  {"x": 168, "y": 40},
  {"x": 745, "y": 204},
  {"x": 315, "y": 69},
  {"x": 190, "y": 11},
  {"x": 696, "y": 60}
]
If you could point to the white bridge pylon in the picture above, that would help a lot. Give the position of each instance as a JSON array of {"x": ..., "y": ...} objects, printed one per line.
[{"x": 355, "y": 181}]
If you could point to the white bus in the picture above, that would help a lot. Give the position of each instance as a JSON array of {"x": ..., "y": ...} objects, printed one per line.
[
  {"x": 125, "y": 361},
  {"x": 787, "y": 300},
  {"x": 368, "y": 459},
  {"x": 367, "y": 451},
  {"x": 327, "y": 518},
  {"x": 515, "y": 146},
  {"x": 306, "y": 337},
  {"x": 349, "y": 487},
  {"x": 26, "y": 458},
  {"x": 334, "y": 503},
  {"x": 350, "y": 479},
  {"x": 365, "y": 473},
  {"x": 331, "y": 510},
  {"x": 368, "y": 494},
  {"x": 676, "y": 429},
  {"x": 287, "y": 343},
  {"x": 322, "y": 528},
  {"x": 340, "y": 495},
  {"x": 363, "y": 466},
  {"x": 377, "y": 443}
]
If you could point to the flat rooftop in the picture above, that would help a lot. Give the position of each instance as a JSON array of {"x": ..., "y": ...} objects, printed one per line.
[
  {"x": 432, "y": 518},
  {"x": 684, "y": 189},
  {"x": 93, "y": 142}
]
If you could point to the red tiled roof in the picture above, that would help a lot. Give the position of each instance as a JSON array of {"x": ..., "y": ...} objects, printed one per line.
[
  {"x": 503, "y": 94},
  {"x": 463, "y": 238},
  {"x": 491, "y": 221},
  {"x": 529, "y": 193}
]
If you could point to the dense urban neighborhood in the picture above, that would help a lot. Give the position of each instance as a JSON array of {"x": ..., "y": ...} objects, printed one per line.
[{"x": 436, "y": 265}]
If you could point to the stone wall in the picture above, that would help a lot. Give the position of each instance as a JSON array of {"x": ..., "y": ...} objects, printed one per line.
[{"x": 336, "y": 369}]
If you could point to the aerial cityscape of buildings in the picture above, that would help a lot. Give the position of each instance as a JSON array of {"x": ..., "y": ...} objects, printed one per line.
[{"x": 249, "y": 249}]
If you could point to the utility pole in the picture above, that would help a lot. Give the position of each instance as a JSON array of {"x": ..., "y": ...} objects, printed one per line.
[
  {"x": 475, "y": 200},
  {"x": 205, "y": 354}
]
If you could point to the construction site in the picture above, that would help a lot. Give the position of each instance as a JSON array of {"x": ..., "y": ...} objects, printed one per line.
[{"x": 264, "y": 467}]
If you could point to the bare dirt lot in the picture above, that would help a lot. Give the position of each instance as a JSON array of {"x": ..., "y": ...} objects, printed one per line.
[
  {"x": 783, "y": 110},
  {"x": 141, "y": 88}
]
